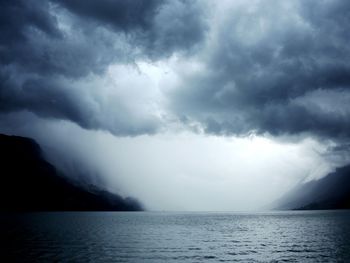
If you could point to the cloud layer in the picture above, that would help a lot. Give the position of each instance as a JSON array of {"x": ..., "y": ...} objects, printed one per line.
[
  {"x": 56, "y": 56},
  {"x": 276, "y": 67},
  {"x": 259, "y": 66}
]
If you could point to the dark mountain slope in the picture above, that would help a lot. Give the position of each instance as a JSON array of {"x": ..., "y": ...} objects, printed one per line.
[
  {"x": 30, "y": 183},
  {"x": 329, "y": 192}
]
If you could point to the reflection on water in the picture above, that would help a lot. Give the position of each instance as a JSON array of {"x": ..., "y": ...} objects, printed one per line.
[{"x": 296, "y": 236}]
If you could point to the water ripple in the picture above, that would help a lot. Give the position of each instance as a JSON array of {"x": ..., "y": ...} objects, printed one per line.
[{"x": 321, "y": 236}]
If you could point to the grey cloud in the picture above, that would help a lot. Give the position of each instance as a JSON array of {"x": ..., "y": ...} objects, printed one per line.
[
  {"x": 122, "y": 15},
  {"x": 267, "y": 68},
  {"x": 19, "y": 16},
  {"x": 55, "y": 102},
  {"x": 262, "y": 63},
  {"x": 157, "y": 27},
  {"x": 50, "y": 49}
]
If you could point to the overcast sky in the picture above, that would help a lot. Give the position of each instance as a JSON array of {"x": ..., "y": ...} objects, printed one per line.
[{"x": 185, "y": 105}]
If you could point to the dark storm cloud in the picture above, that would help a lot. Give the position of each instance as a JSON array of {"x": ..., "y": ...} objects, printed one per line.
[
  {"x": 55, "y": 102},
  {"x": 18, "y": 16},
  {"x": 275, "y": 67},
  {"x": 49, "y": 48},
  {"x": 281, "y": 68},
  {"x": 157, "y": 27},
  {"x": 122, "y": 15}
]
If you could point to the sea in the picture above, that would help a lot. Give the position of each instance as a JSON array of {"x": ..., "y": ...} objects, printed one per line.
[{"x": 278, "y": 236}]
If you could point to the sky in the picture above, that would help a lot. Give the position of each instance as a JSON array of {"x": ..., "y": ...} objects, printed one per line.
[{"x": 184, "y": 105}]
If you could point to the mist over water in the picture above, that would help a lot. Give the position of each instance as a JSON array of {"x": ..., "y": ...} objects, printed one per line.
[
  {"x": 180, "y": 171},
  {"x": 293, "y": 236}
]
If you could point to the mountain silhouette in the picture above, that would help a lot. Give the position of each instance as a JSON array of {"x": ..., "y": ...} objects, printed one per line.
[
  {"x": 30, "y": 183},
  {"x": 329, "y": 192}
]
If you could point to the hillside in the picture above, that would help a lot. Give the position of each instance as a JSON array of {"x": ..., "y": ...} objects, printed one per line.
[
  {"x": 30, "y": 183},
  {"x": 329, "y": 192}
]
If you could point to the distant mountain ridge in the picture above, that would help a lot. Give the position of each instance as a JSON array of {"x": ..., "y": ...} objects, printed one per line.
[
  {"x": 30, "y": 183},
  {"x": 329, "y": 192}
]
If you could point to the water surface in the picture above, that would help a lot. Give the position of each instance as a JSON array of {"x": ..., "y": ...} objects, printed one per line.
[{"x": 293, "y": 236}]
